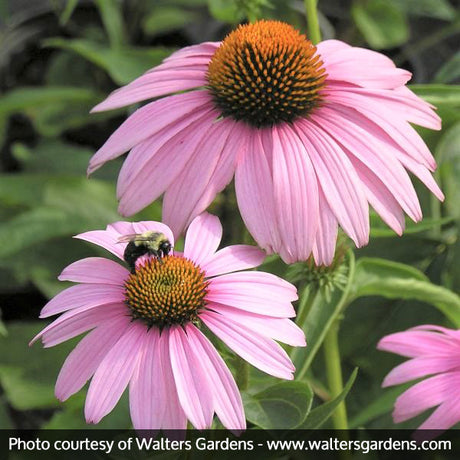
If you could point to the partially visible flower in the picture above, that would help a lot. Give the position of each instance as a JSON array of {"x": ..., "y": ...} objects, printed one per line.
[
  {"x": 313, "y": 135},
  {"x": 146, "y": 327},
  {"x": 434, "y": 352}
]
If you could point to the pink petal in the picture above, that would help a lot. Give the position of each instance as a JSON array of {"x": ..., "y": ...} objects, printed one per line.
[
  {"x": 296, "y": 195},
  {"x": 280, "y": 329},
  {"x": 114, "y": 372},
  {"x": 218, "y": 178},
  {"x": 421, "y": 367},
  {"x": 411, "y": 108},
  {"x": 327, "y": 48},
  {"x": 159, "y": 82},
  {"x": 254, "y": 191},
  {"x": 174, "y": 416},
  {"x": 85, "y": 358},
  {"x": 378, "y": 155},
  {"x": 326, "y": 236},
  {"x": 202, "y": 238},
  {"x": 256, "y": 292},
  {"x": 418, "y": 343},
  {"x": 193, "y": 386},
  {"x": 426, "y": 394},
  {"x": 147, "y": 389},
  {"x": 263, "y": 353},
  {"x": 76, "y": 321},
  {"x": 83, "y": 295},
  {"x": 184, "y": 69},
  {"x": 95, "y": 270},
  {"x": 145, "y": 176},
  {"x": 389, "y": 121},
  {"x": 233, "y": 258},
  {"x": 227, "y": 399},
  {"x": 338, "y": 179},
  {"x": 444, "y": 417},
  {"x": 380, "y": 198},
  {"x": 375, "y": 69},
  {"x": 184, "y": 198},
  {"x": 147, "y": 121},
  {"x": 205, "y": 49}
]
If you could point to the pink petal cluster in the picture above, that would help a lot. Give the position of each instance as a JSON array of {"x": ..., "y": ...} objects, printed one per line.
[
  {"x": 295, "y": 182},
  {"x": 434, "y": 351},
  {"x": 176, "y": 374}
]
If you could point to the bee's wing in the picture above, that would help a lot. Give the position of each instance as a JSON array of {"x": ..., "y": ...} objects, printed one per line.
[{"x": 128, "y": 238}]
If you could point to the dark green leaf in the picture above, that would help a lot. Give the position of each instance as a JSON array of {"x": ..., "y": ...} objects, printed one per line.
[
  {"x": 439, "y": 9},
  {"x": 399, "y": 281},
  {"x": 167, "y": 19},
  {"x": 281, "y": 406},
  {"x": 320, "y": 414},
  {"x": 383, "y": 404},
  {"x": 112, "y": 18},
  {"x": 439, "y": 95},
  {"x": 67, "y": 11},
  {"x": 411, "y": 227},
  {"x": 225, "y": 11},
  {"x": 28, "y": 374},
  {"x": 450, "y": 71},
  {"x": 123, "y": 65},
  {"x": 26, "y": 98},
  {"x": 381, "y": 23}
]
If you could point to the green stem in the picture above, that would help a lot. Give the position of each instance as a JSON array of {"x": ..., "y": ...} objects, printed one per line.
[
  {"x": 312, "y": 21},
  {"x": 334, "y": 374},
  {"x": 306, "y": 301}
]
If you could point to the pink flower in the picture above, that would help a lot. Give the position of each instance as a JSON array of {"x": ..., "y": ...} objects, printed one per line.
[
  {"x": 146, "y": 327},
  {"x": 312, "y": 134},
  {"x": 435, "y": 352}
]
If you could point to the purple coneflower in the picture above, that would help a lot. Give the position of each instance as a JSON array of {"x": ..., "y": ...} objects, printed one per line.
[
  {"x": 434, "y": 352},
  {"x": 146, "y": 327},
  {"x": 313, "y": 135}
]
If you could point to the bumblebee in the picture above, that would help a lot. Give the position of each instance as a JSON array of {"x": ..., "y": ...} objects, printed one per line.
[{"x": 140, "y": 244}]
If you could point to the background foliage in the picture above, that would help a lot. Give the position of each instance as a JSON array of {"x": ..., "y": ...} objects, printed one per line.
[{"x": 59, "y": 58}]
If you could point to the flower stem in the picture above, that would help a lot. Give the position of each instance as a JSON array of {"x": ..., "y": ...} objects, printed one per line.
[
  {"x": 312, "y": 21},
  {"x": 334, "y": 374}
]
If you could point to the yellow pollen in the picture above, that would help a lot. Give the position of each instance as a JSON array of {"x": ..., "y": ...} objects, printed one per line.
[
  {"x": 167, "y": 291},
  {"x": 261, "y": 67}
]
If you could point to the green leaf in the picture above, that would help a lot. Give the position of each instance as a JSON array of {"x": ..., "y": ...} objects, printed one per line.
[
  {"x": 439, "y": 9},
  {"x": 320, "y": 317},
  {"x": 225, "y": 11},
  {"x": 411, "y": 227},
  {"x": 399, "y": 281},
  {"x": 167, "y": 19},
  {"x": 68, "y": 205},
  {"x": 448, "y": 156},
  {"x": 382, "y": 24},
  {"x": 26, "y": 98},
  {"x": 112, "y": 18},
  {"x": 28, "y": 374},
  {"x": 31, "y": 227},
  {"x": 24, "y": 394},
  {"x": 450, "y": 71},
  {"x": 67, "y": 12},
  {"x": 281, "y": 406},
  {"x": 382, "y": 405},
  {"x": 439, "y": 95},
  {"x": 320, "y": 414},
  {"x": 123, "y": 64}
]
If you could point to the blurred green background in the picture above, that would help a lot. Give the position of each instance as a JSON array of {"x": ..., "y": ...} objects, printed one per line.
[{"x": 60, "y": 58}]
